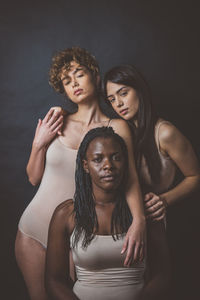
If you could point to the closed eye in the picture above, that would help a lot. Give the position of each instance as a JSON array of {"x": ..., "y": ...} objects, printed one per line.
[
  {"x": 66, "y": 82},
  {"x": 80, "y": 74}
]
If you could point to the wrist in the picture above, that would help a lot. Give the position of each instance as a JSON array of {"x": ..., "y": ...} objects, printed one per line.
[
  {"x": 38, "y": 146},
  {"x": 139, "y": 220},
  {"x": 163, "y": 199}
]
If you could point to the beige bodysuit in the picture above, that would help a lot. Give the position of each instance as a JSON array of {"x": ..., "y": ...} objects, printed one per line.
[
  {"x": 100, "y": 271},
  {"x": 168, "y": 168},
  {"x": 57, "y": 185}
]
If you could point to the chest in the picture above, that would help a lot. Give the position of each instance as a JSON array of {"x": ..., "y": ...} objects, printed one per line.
[
  {"x": 74, "y": 132},
  {"x": 102, "y": 252}
]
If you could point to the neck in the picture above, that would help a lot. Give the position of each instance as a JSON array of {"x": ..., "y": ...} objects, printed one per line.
[
  {"x": 135, "y": 122},
  {"x": 90, "y": 112},
  {"x": 103, "y": 197}
]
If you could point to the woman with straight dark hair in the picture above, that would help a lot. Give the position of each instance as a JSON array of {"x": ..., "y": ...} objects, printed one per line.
[
  {"x": 94, "y": 225},
  {"x": 160, "y": 148}
]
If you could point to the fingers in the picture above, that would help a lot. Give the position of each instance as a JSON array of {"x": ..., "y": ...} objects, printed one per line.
[
  {"x": 153, "y": 200},
  {"x": 158, "y": 212},
  {"x": 142, "y": 252},
  {"x": 48, "y": 115},
  {"x": 136, "y": 256},
  {"x": 148, "y": 196},
  {"x": 57, "y": 123},
  {"x": 125, "y": 245},
  {"x": 155, "y": 205},
  {"x": 57, "y": 129},
  {"x": 129, "y": 255},
  {"x": 155, "y": 208}
]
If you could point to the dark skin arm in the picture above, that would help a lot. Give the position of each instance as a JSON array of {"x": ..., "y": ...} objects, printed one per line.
[
  {"x": 57, "y": 279},
  {"x": 159, "y": 271}
]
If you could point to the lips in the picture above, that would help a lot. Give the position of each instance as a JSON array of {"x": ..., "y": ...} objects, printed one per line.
[
  {"x": 110, "y": 177},
  {"x": 78, "y": 92},
  {"x": 124, "y": 111}
]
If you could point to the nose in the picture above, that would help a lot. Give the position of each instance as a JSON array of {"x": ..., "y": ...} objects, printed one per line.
[
  {"x": 74, "y": 83},
  {"x": 108, "y": 164},
  {"x": 119, "y": 102}
]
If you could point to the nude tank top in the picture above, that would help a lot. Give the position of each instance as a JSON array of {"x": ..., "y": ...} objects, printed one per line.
[
  {"x": 57, "y": 185},
  {"x": 100, "y": 271},
  {"x": 168, "y": 168}
]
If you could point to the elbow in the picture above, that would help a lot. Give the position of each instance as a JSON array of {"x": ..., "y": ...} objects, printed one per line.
[{"x": 33, "y": 181}]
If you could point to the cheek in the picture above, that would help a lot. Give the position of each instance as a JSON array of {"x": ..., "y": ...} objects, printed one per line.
[
  {"x": 67, "y": 91},
  {"x": 134, "y": 103},
  {"x": 94, "y": 171}
]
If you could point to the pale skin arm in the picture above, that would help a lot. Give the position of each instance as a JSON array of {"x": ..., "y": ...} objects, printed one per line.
[
  {"x": 57, "y": 278},
  {"x": 135, "y": 238},
  {"x": 46, "y": 131},
  {"x": 174, "y": 144},
  {"x": 158, "y": 279}
]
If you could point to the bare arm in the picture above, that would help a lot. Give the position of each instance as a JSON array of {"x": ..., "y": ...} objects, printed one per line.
[
  {"x": 135, "y": 239},
  {"x": 158, "y": 261},
  {"x": 180, "y": 150},
  {"x": 57, "y": 278},
  {"x": 174, "y": 144},
  {"x": 45, "y": 132}
]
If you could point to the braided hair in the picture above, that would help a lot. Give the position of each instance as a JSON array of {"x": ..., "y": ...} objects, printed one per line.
[{"x": 86, "y": 223}]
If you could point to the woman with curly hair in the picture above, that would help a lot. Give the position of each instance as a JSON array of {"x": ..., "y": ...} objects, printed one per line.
[{"x": 74, "y": 72}]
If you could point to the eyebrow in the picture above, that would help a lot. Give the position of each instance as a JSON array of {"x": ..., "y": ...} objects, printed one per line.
[
  {"x": 100, "y": 153},
  {"x": 118, "y": 91},
  {"x": 74, "y": 72}
]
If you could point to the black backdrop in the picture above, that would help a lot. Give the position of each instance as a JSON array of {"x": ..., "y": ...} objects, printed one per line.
[{"x": 160, "y": 37}]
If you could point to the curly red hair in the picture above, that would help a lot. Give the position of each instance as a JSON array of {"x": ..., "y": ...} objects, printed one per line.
[{"x": 61, "y": 61}]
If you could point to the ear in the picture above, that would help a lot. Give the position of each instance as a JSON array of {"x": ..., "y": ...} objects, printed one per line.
[{"x": 85, "y": 166}]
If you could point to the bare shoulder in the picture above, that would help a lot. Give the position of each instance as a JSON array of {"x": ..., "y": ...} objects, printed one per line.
[
  {"x": 120, "y": 126},
  {"x": 64, "y": 215},
  {"x": 65, "y": 208},
  {"x": 168, "y": 133}
]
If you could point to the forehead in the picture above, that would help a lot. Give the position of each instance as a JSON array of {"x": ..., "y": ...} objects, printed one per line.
[
  {"x": 104, "y": 145},
  {"x": 113, "y": 88},
  {"x": 73, "y": 66}
]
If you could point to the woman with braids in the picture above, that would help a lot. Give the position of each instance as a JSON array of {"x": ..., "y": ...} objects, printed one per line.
[
  {"x": 160, "y": 148},
  {"x": 75, "y": 73},
  {"x": 94, "y": 225}
]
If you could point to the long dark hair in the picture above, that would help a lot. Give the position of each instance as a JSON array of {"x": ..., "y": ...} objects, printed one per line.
[
  {"x": 86, "y": 222},
  {"x": 144, "y": 136}
]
